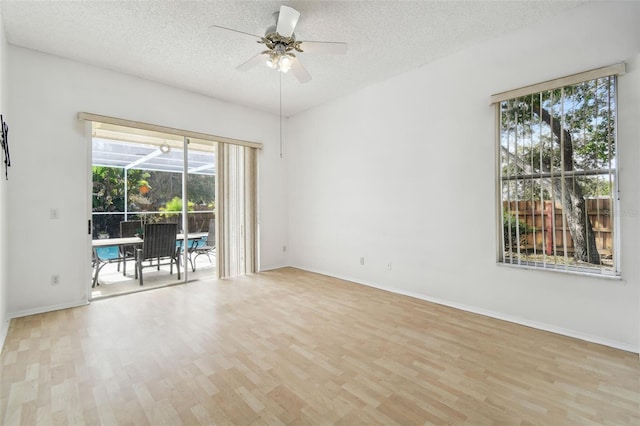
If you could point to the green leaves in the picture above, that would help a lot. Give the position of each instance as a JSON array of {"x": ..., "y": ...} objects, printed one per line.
[
  {"x": 566, "y": 129},
  {"x": 175, "y": 205}
]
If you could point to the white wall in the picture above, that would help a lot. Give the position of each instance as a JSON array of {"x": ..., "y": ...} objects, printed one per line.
[
  {"x": 3, "y": 193},
  {"x": 50, "y": 170},
  {"x": 403, "y": 171}
]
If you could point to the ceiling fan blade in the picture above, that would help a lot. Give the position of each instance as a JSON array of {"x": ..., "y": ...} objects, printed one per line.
[
  {"x": 235, "y": 31},
  {"x": 299, "y": 71},
  {"x": 287, "y": 20},
  {"x": 336, "y": 48},
  {"x": 260, "y": 57}
]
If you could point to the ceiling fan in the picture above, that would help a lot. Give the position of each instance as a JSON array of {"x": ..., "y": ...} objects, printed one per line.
[{"x": 281, "y": 44}]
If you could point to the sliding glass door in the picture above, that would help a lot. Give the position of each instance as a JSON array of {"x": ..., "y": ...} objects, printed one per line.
[{"x": 141, "y": 178}]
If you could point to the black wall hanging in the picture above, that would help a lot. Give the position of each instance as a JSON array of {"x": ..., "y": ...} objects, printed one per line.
[{"x": 5, "y": 147}]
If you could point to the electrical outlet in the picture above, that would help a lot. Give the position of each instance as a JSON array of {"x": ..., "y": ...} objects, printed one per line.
[
  {"x": 284, "y": 249},
  {"x": 54, "y": 213},
  {"x": 362, "y": 260},
  {"x": 389, "y": 265},
  {"x": 55, "y": 279}
]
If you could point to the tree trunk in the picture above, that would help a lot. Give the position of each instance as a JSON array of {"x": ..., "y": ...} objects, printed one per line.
[
  {"x": 571, "y": 197},
  {"x": 574, "y": 206}
]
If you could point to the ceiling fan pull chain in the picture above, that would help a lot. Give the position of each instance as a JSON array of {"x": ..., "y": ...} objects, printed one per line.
[{"x": 280, "y": 114}]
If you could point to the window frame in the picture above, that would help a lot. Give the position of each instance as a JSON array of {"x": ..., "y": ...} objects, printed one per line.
[{"x": 496, "y": 101}]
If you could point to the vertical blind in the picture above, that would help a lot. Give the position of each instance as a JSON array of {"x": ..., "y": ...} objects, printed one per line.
[{"x": 236, "y": 210}]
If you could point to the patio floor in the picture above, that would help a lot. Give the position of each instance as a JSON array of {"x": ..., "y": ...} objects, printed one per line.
[{"x": 112, "y": 282}]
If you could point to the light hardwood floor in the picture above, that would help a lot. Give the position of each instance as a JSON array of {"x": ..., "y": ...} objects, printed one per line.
[{"x": 292, "y": 347}]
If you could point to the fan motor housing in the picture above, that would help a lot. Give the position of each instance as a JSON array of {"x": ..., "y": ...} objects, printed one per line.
[{"x": 273, "y": 39}]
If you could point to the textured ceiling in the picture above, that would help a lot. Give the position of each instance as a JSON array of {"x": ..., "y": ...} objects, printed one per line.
[{"x": 173, "y": 42}]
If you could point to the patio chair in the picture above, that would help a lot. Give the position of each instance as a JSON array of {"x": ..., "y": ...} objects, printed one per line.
[
  {"x": 206, "y": 245},
  {"x": 103, "y": 256},
  {"x": 158, "y": 246},
  {"x": 128, "y": 228}
]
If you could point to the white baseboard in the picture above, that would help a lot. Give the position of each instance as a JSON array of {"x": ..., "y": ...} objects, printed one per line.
[
  {"x": 44, "y": 309},
  {"x": 488, "y": 313},
  {"x": 272, "y": 267}
]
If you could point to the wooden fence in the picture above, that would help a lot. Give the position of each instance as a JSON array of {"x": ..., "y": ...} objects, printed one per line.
[{"x": 545, "y": 218}]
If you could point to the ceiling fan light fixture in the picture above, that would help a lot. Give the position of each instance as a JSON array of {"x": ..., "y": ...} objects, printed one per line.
[
  {"x": 284, "y": 63},
  {"x": 272, "y": 61},
  {"x": 280, "y": 60}
]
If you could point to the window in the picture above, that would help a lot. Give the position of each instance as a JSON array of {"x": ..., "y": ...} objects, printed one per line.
[{"x": 557, "y": 176}]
